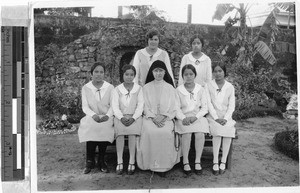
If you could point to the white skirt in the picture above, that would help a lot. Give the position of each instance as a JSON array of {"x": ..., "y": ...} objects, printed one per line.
[
  {"x": 156, "y": 149},
  {"x": 90, "y": 130},
  {"x": 134, "y": 129},
  {"x": 200, "y": 125},
  {"x": 216, "y": 129}
]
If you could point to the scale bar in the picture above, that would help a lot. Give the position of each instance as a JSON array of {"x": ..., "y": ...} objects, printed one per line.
[{"x": 14, "y": 116}]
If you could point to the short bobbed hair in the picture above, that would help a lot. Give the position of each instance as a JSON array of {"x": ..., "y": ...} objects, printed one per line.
[{"x": 188, "y": 66}]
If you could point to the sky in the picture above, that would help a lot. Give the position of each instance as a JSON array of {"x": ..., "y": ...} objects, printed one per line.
[
  {"x": 202, "y": 11},
  {"x": 175, "y": 10}
]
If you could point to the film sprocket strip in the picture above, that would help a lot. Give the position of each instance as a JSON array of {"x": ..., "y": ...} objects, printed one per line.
[{"x": 14, "y": 101}]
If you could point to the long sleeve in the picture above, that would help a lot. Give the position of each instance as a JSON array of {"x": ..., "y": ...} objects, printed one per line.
[
  {"x": 147, "y": 108},
  {"x": 85, "y": 106},
  {"x": 204, "y": 109},
  {"x": 140, "y": 105},
  {"x": 179, "y": 113},
  {"x": 210, "y": 106},
  {"x": 115, "y": 104},
  {"x": 136, "y": 64},
  {"x": 170, "y": 99},
  {"x": 209, "y": 71},
  {"x": 110, "y": 112},
  {"x": 168, "y": 65},
  {"x": 231, "y": 105},
  {"x": 183, "y": 62}
]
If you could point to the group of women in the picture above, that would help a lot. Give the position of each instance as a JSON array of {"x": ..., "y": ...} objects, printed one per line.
[{"x": 148, "y": 109}]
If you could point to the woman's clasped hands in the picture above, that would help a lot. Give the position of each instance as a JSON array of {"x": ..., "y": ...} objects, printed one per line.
[
  {"x": 189, "y": 120},
  {"x": 100, "y": 118},
  {"x": 221, "y": 121},
  {"x": 127, "y": 120},
  {"x": 159, "y": 120}
]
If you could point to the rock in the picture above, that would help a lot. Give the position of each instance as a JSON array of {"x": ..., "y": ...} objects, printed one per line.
[
  {"x": 74, "y": 69},
  {"x": 92, "y": 49},
  {"x": 72, "y": 58},
  {"x": 293, "y": 104}
]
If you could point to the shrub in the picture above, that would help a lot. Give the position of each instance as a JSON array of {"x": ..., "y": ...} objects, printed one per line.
[
  {"x": 287, "y": 143},
  {"x": 55, "y": 101},
  {"x": 256, "y": 111}
]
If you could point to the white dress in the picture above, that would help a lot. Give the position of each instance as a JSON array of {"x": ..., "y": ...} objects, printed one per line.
[
  {"x": 221, "y": 104},
  {"x": 93, "y": 103},
  {"x": 202, "y": 65},
  {"x": 156, "y": 149},
  {"x": 131, "y": 103},
  {"x": 142, "y": 62},
  {"x": 192, "y": 104}
]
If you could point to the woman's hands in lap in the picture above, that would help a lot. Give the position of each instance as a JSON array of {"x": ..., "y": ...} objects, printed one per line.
[
  {"x": 159, "y": 120},
  {"x": 189, "y": 120}
]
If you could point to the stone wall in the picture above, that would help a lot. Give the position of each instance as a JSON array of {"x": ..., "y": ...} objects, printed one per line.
[{"x": 113, "y": 43}]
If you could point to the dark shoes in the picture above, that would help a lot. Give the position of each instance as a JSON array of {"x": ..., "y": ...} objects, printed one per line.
[
  {"x": 222, "y": 168},
  {"x": 215, "y": 169},
  {"x": 187, "y": 172},
  {"x": 119, "y": 169},
  {"x": 89, "y": 166},
  {"x": 198, "y": 171},
  {"x": 103, "y": 167},
  {"x": 131, "y": 169}
]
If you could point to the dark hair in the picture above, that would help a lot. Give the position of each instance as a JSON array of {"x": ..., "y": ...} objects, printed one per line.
[
  {"x": 188, "y": 66},
  {"x": 95, "y": 65},
  {"x": 162, "y": 65},
  {"x": 197, "y": 36},
  {"x": 151, "y": 33},
  {"x": 128, "y": 67},
  {"x": 221, "y": 65}
]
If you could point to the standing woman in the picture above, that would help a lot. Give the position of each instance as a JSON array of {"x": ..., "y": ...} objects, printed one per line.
[
  {"x": 199, "y": 60},
  {"x": 144, "y": 58},
  {"x": 221, "y": 105},
  {"x": 96, "y": 128},
  {"x": 156, "y": 150},
  {"x": 127, "y": 104},
  {"x": 190, "y": 115}
]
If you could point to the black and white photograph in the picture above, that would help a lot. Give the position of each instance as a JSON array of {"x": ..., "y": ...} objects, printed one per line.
[{"x": 163, "y": 95}]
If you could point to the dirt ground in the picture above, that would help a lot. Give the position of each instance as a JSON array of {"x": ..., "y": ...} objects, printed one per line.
[{"x": 255, "y": 163}]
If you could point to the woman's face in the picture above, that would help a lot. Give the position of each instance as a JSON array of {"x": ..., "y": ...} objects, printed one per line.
[
  {"x": 218, "y": 73},
  {"x": 188, "y": 76},
  {"x": 158, "y": 74},
  {"x": 153, "y": 42},
  {"x": 98, "y": 74},
  {"x": 197, "y": 45},
  {"x": 128, "y": 76}
]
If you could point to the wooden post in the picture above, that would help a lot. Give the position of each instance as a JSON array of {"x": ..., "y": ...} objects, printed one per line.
[
  {"x": 189, "y": 14},
  {"x": 120, "y": 11}
]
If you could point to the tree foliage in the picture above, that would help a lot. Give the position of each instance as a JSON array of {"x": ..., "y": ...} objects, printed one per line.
[
  {"x": 73, "y": 11},
  {"x": 140, "y": 12}
]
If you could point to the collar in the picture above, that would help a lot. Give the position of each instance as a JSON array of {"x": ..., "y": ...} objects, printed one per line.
[
  {"x": 91, "y": 86},
  {"x": 124, "y": 91},
  {"x": 183, "y": 90},
  {"x": 214, "y": 84},
  {"x": 157, "y": 53},
  {"x": 201, "y": 59}
]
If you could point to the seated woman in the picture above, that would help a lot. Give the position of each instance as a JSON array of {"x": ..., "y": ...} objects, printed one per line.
[
  {"x": 190, "y": 115},
  {"x": 156, "y": 150},
  {"x": 221, "y": 105},
  {"x": 96, "y": 128},
  {"x": 128, "y": 105}
]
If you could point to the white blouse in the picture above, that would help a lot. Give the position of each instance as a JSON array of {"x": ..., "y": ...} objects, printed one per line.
[
  {"x": 202, "y": 65},
  {"x": 143, "y": 56},
  {"x": 220, "y": 101},
  {"x": 191, "y": 102},
  {"x": 98, "y": 94},
  {"x": 125, "y": 99}
]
